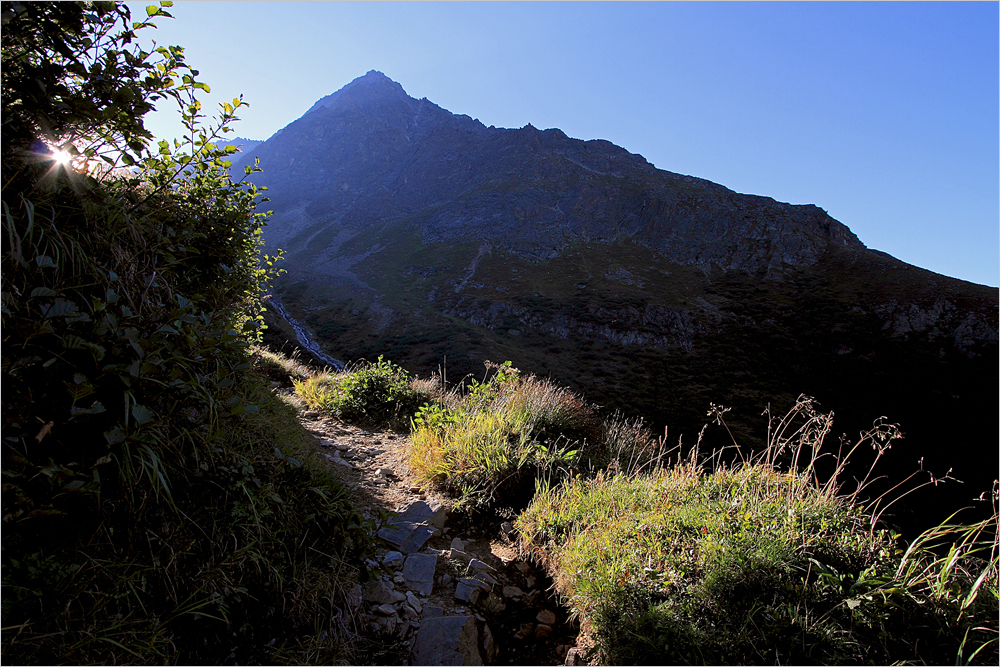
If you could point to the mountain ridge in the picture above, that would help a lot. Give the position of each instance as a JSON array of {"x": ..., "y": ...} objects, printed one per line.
[{"x": 671, "y": 216}]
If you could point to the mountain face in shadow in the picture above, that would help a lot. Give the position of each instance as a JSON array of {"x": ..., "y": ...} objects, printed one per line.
[{"x": 430, "y": 238}]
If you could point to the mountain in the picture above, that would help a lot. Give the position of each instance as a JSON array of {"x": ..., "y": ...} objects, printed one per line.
[
  {"x": 245, "y": 145},
  {"x": 435, "y": 240}
]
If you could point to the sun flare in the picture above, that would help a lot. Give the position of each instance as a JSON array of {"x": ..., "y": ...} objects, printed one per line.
[{"x": 62, "y": 157}]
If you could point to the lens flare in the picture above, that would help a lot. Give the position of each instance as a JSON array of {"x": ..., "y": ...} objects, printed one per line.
[{"x": 62, "y": 157}]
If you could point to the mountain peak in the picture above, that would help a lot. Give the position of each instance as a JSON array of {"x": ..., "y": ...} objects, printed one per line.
[{"x": 372, "y": 88}]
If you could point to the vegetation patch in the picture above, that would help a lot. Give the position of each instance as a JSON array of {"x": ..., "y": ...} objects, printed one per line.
[
  {"x": 374, "y": 393},
  {"x": 760, "y": 563},
  {"x": 490, "y": 442}
]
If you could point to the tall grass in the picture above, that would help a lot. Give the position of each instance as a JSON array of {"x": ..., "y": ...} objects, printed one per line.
[{"x": 762, "y": 561}]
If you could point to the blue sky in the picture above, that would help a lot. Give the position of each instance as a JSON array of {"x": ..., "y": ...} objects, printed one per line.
[{"x": 884, "y": 114}]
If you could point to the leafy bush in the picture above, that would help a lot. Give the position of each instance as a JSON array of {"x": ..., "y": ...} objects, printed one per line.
[
  {"x": 147, "y": 515},
  {"x": 760, "y": 563},
  {"x": 370, "y": 393}
]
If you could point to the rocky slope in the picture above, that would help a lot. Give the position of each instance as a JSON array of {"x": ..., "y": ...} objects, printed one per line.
[{"x": 437, "y": 241}]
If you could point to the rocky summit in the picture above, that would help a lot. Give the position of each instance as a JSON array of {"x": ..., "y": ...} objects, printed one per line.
[{"x": 439, "y": 242}]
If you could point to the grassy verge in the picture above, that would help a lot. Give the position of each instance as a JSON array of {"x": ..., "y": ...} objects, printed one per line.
[{"x": 761, "y": 563}]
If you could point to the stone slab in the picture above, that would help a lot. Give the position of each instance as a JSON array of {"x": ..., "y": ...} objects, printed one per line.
[
  {"x": 407, "y": 536},
  {"x": 417, "y": 539},
  {"x": 433, "y": 611},
  {"x": 420, "y": 511},
  {"x": 447, "y": 640},
  {"x": 419, "y": 572},
  {"x": 475, "y": 583}
]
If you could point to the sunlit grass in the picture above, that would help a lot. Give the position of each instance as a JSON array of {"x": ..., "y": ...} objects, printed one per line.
[{"x": 761, "y": 562}]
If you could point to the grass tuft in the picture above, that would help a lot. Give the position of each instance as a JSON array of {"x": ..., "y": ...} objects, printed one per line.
[{"x": 496, "y": 438}]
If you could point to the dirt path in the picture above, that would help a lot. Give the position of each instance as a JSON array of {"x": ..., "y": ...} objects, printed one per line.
[{"x": 477, "y": 571}]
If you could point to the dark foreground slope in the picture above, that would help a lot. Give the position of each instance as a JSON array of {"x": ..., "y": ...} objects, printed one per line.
[{"x": 433, "y": 239}]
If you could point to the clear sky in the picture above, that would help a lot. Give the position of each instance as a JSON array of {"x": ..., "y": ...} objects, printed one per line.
[{"x": 884, "y": 114}]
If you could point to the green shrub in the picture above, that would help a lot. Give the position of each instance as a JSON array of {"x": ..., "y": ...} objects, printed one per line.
[
  {"x": 760, "y": 563},
  {"x": 370, "y": 393}
]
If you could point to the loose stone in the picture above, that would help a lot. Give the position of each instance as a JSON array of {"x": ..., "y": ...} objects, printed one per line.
[
  {"x": 546, "y": 617},
  {"x": 525, "y": 631},
  {"x": 477, "y": 564},
  {"x": 467, "y": 593},
  {"x": 393, "y": 558},
  {"x": 543, "y": 631},
  {"x": 486, "y": 578},
  {"x": 380, "y": 593}
]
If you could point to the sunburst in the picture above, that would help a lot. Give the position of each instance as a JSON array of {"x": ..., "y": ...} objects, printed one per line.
[{"x": 62, "y": 158}]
